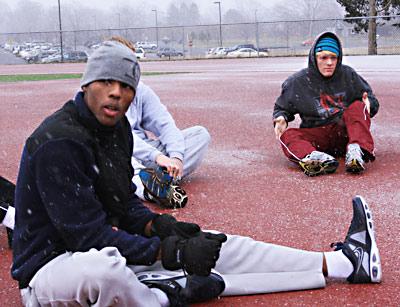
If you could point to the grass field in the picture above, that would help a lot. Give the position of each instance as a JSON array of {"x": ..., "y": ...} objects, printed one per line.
[{"x": 44, "y": 77}]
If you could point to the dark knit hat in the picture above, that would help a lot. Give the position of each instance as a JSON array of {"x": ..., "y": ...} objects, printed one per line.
[
  {"x": 112, "y": 61},
  {"x": 328, "y": 44}
]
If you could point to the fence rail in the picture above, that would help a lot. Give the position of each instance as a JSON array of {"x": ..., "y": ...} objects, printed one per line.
[{"x": 282, "y": 38}]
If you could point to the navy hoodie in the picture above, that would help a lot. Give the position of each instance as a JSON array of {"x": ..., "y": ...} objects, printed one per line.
[
  {"x": 319, "y": 100},
  {"x": 59, "y": 205}
]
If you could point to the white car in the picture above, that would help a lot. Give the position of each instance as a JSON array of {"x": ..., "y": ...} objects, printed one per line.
[
  {"x": 246, "y": 53},
  {"x": 216, "y": 52},
  {"x": 140, "y": 54},
  {"x": 146, "y": 45}
]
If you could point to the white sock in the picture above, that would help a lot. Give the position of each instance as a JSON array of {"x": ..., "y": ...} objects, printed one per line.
[
  {"x": 339, "y": 266},
  {"x": 9, "y": 219},
  {"x": 139, "y": 186},
  {"x": 161, "y": 296}
]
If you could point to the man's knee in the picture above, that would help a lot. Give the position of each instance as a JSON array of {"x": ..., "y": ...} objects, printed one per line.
[
  {"x": 199, "y": 133},
  {"x": 290, "y": 134},
  {"x": 105, "y": 265},
  {"x": 357, "y": 105}
]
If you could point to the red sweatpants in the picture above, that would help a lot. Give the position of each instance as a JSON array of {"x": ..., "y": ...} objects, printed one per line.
[{"x": 354, "y": 127}]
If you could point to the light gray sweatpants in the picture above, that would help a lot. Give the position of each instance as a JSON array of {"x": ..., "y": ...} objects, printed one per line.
[
  {"x": 102, "y": 278},
  {"x": 196, "y": 138}
]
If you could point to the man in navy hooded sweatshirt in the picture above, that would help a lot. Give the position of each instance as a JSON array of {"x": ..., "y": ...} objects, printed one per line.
[
  {"x": 78, "y": 223},
  {"x": 335, "y": 105}
]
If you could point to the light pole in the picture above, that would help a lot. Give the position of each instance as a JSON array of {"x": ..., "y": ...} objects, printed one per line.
[
  {"x": 220, "y": 26},
  {"x": 155, "y": 14},
  {"x": 257, "y": 38},
  {"x": 119, "y": 20},
  {"x": 61, "y": 41}
]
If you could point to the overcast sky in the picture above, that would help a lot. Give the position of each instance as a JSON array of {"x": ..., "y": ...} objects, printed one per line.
[
  {"x": 106, "y": 14},
  {"x": 205, "y": 6}
]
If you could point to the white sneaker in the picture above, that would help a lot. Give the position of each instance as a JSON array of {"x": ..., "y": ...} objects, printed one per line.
[
  {"x": 318, "y": 163},
  {"x": 354, "y": 161}
]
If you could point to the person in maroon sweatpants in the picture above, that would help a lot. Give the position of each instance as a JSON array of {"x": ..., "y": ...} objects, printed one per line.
[{"x": 335, "y": 105}]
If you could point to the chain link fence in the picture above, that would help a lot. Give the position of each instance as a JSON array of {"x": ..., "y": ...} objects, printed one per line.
[{"x": 281, "y": 38}]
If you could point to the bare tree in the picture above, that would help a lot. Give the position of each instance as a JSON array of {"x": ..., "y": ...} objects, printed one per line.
[{"x": 308, "y": 10}]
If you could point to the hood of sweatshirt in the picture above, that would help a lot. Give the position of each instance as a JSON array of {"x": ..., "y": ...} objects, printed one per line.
[{"x": 312, "y": 60}]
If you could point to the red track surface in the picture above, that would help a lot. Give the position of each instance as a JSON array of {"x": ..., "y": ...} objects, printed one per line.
[{"x": 245, "y": 185}]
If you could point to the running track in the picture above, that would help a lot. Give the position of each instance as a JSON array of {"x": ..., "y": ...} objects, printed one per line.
[{"x": 245, "y": 185}]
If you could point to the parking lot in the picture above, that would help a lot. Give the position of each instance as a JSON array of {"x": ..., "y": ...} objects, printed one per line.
[{"x": 245, "y": 185}]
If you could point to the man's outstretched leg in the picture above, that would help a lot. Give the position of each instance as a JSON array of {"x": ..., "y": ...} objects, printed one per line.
[{"x": 250, "y": 267}]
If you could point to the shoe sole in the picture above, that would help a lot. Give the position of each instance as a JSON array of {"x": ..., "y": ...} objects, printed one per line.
[
  {"x": 355, "y": 167},
  {"x": 148, "y": 277},
  {"x": 375, "y": 269},
  {"x": 315, "y": 168}
]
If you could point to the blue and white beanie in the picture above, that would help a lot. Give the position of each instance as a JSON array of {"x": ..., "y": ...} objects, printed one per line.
[{"x": 328, "y": 44}]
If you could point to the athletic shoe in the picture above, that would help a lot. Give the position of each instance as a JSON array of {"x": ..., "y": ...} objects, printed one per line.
[
  {"x": 354, "y": 160},
  {"x": 183, "y": 289},
  {"x": 7, "y": 190},
  {"x": 161, "y": 188},
  {"x": 318, "y": 163},
  {"x": 360, "y": 245},
  {"x": 3, "y": 211}
]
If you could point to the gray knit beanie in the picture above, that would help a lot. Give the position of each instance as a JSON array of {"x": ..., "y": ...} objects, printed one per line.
[{"x": 112, "y": 61}]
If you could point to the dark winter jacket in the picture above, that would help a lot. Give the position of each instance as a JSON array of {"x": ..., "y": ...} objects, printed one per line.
[
  {"x": 319, "y": 100},
  {"x": 74, "y": 183}
]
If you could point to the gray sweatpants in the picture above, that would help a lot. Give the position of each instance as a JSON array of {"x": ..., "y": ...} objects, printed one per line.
[
  {"x": 102, "y": 278},
  {"x": 197, "y": 139}
]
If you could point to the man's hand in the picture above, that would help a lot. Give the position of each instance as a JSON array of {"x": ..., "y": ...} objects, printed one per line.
[
  {"x": 366, "y": 101},
  {"x": 174, "y": 166},
  {"x": 166, "y": 225},
  {"x": 280, "y": 126},
  {"x": 197, "y": 255}
]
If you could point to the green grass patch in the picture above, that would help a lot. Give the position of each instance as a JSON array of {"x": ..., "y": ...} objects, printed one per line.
[
  {"x": 37, "y": 77},
  {"x": 45, "y": 77}
]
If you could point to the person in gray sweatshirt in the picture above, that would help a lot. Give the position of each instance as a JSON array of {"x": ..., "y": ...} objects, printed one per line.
[
  {"x": 159, "y": 142},
  {"x": 163, "y": 154}
]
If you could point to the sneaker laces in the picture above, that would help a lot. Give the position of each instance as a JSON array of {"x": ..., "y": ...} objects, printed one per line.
[{"x": 354, "y": 152}]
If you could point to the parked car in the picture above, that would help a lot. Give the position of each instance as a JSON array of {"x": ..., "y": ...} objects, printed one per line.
[
  {"x": 76, "y": 56},
  {"x": 168, "y": 52},
  {"x": 246, "y": 53},
  {"x": 216, "y": 52},
  {"x": 251, "y": 46},
  {"x": 54, "y": 58},
  {"x": 140, "y": 54},
  {"x": 146, "y": 45},
  {"x": 237, "y": 47},
  {"x": 70, "y": 56}
]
